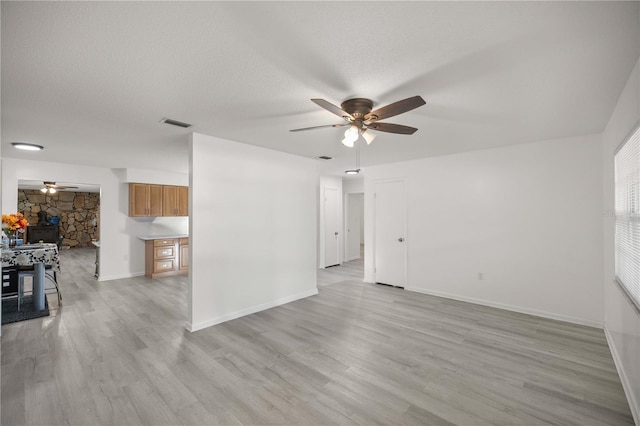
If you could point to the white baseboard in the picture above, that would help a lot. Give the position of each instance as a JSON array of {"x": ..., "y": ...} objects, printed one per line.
[
  {"x": 624, "y": 379},
  {"x": 252, "y": 310},
  {"x": 513, "y": 308},
  {"x": 119, "y": 277}
]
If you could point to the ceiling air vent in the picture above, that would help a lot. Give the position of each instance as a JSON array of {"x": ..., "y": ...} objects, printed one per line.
[
  {"x": 324, "y": 157},
  {"x": 176, "y": 123}
]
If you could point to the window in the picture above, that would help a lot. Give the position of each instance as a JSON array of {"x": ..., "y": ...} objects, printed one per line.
[{"x": 627, "y": 211}]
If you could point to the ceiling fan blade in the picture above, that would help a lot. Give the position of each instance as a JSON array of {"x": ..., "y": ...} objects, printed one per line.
[
  {"x": 319, "y": 127},
  {"x": 392, "y": 128},
  {"x": 332, "y": 108},
  {"x": 50, "y": 184},
  {"x": 396, "y": 108}
]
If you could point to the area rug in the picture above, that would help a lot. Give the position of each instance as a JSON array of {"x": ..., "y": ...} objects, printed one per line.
[{"x": 11, "y": 314}]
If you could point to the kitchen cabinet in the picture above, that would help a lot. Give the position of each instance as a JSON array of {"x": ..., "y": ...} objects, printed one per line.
[
  {"x": 151, "y": 200},
  {"x": 175, "y": 200},
  {"x": 183, "y": 201},
  {"x": 145, "y": 200},
  {"x": 183, "y": 257},
  {"x": 164, "y": 257}
]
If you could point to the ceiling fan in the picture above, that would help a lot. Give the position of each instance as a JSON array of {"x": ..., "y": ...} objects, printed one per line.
[
  {"x": 52, "y": 188},
  {"x": 358, "y": 115}
]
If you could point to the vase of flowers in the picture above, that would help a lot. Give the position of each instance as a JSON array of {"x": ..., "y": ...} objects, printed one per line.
[{"x": 12, "y": 224}]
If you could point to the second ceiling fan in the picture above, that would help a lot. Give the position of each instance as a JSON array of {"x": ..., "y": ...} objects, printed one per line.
[
  {"x": 52, "y": 188},
  {"x": 357, "y": 113}
]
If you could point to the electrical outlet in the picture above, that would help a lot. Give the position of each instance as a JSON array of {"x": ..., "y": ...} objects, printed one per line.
[{"x": 481, "y": 276}]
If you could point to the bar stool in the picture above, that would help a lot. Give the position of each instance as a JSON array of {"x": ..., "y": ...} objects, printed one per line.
[{"x": 28, "y": 271}]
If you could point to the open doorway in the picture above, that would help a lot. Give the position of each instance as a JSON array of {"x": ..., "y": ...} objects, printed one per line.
[
  {"x": 354, "y": 226},
  {"x": 65, "y": 213},
  {"x": 351, "y": 228}
]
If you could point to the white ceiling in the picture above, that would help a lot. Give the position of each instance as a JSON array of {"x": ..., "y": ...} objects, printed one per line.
[{"x": 91, "y": 80}]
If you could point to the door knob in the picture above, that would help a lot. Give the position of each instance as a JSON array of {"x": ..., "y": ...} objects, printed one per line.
[
  {"x": 335, "y": 233},
  {"x": 401, "y": 239}
]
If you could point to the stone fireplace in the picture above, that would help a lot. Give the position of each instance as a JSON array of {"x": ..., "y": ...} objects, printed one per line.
[{"x": 79, "y": 213}]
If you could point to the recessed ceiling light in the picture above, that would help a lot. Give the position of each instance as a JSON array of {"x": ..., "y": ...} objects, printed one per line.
[{"x": 27, "y": 146}]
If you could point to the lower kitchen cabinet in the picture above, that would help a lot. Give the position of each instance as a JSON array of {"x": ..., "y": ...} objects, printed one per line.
[
  {"x": 166, "y": 256},
  {"x": 183, "y": 255}
]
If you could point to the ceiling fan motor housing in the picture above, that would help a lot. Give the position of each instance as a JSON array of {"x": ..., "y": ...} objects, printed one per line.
[{"x": 357, "y": 107}]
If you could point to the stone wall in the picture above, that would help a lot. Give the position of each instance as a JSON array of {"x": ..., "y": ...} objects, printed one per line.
[{"x": 78, "y": 213}]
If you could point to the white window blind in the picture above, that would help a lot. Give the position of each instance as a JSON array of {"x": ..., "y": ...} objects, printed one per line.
[{"x": 627, "y": 209}]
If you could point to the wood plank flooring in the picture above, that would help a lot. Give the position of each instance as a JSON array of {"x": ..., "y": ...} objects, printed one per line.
[{"x": 117, "y": 353}]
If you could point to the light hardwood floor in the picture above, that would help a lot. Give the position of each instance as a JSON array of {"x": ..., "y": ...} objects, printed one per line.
[{"x": 117, "y": 353}]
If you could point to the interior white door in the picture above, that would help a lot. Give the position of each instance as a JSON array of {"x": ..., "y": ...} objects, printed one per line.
[
  {"x": 354, "y": 209},
  {"x": 331, "y": 227},
  {"x": 389, "y": 232}
]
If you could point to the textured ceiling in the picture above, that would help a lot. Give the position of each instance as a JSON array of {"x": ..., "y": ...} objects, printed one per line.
[{"x": 91, "y": 80}]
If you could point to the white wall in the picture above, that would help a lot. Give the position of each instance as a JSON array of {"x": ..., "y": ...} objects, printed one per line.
[
  {"x": 528, "y": 217},
  {"x": 158, "y": 177},
  {"x": 253, "y": 229},
  {"x": 327, "y": 181},
  {"x": 353, "y": 185},
  {"x": 121, "y": 252},
  {"x": 622, "y": 321}
]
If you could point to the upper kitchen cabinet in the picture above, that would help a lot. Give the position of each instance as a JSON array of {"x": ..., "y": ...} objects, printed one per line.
[
  {"x": 183, "y": 201},
  {"x": 175, "y": 201},
  {"x": 149, "y": 200},
  {"x": 145, "y": 200}
]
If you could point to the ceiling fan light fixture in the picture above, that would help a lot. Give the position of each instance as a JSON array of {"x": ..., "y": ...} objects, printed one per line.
[
  {"x": 43, "y": 190},
  {"x": 350, "y": 136},
  {"x": 368, "y": 136},
  {"x": 347, "y": 143}
]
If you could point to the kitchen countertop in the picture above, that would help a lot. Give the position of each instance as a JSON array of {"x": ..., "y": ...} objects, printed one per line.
[{"x": 161, "y": 237}]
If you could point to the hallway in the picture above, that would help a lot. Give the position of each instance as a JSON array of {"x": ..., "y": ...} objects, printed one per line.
[{"x": 352, "y": 271}]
